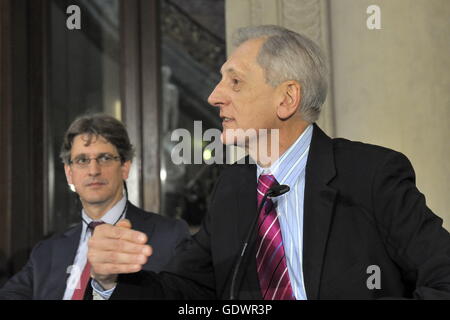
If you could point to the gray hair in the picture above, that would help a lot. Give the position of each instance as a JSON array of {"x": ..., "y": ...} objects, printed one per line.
[
  {"x": 94, "y": 125},
  {"x": 287, "y": 55}
]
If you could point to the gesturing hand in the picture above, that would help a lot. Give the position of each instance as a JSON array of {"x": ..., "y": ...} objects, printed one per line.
[{"x": 116, "y": 249}]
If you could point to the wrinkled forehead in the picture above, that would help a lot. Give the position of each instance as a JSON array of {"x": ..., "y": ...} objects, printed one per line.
[
  {"x": 91, "y": 143},
  {"x": 244, "y": 57}
]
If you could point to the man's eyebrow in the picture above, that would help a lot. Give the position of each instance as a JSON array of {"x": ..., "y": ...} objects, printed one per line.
[
  {"x": 80, "y": 155},
  {"x": 231, "y": 70},
  {"x": 97, "y": 155}
]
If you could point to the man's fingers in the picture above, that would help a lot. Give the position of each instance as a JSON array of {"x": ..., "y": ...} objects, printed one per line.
[
  {"x": 117, "y": 232},
  {"x": 125, "y": 223},
  {"x": 102, "y": 257},
  {"x": 117, "y": 249},
  {"x": 113, "y": 269},
  {"x": 119, "y": 246}
]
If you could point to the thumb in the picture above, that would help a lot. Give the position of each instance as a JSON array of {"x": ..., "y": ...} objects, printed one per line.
[{"x": 125, "y": 223}]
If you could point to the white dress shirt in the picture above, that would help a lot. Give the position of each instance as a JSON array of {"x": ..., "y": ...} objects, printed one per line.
[{"x": 75, "y": 270}]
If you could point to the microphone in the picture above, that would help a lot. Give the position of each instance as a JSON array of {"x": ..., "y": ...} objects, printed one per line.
[{"x": 273, "y": 192}]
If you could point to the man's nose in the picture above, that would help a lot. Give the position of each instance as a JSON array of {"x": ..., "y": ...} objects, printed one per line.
[
  {"x": 94, "y": 168},
  {"x": 217, "y": 98}
]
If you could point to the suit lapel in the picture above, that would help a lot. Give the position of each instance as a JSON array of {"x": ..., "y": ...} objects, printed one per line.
[
  {"x": 318, "y": 209},
  {"x": 246, "y": 203},
  {"x": 246, "y": 199},
  {"x": 64, "y": 251},
  {"x": 318, "y": 212},
  {"x": 137, "y": 218}
]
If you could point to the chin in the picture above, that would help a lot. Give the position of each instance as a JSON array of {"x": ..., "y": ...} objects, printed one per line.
[
  {"x": 95, "y": 200},
  {"x": 230, "y": 136},
  {"x": 224, "y": 140}
]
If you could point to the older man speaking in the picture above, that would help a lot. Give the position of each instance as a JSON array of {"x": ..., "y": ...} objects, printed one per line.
[{"x": 352, "y": 226}]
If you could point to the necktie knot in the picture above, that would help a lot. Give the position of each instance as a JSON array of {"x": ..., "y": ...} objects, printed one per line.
[
  {"x": 265, "y": 182},
  {"x": 94, "y": 224}
]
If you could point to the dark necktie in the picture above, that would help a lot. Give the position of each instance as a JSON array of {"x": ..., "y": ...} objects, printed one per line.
[
  {"x": 270, "y": 257},
  {"x": 78, "y": 294}
]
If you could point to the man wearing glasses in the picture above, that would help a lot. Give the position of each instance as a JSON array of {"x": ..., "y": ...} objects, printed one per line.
[{"x": 97, "y": 156}]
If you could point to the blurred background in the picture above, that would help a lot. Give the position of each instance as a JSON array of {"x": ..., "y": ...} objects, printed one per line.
[{"x": 153, "y": 63}]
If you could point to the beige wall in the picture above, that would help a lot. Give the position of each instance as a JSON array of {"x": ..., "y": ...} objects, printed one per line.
[{"x": 390, "y": 87}]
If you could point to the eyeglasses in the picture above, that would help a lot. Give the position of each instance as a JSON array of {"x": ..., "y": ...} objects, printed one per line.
[{"x": 103, "y": 160}]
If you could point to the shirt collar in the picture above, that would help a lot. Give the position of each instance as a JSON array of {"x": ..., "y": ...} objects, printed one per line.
[
  {"x": 289, "y": 166},
  {"x": 112, "y": 215}
]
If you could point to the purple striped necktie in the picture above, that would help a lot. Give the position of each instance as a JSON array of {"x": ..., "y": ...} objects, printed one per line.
[{"x": 270, "y": 256}]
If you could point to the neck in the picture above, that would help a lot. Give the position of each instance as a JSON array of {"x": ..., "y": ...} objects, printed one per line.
[
  {"x": 96, "y": 211},
  {"x": 266, "y": 150}
]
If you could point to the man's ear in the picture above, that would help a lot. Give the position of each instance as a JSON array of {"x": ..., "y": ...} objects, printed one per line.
[
  {"x": 291, "y": 97},
  {"x": 126, "y": 166},
  {"x": 68, "y": 171}
]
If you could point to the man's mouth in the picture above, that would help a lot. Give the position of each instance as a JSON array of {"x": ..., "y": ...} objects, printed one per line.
[
  {"x": 226, "y": 119},
  {"x": 95, "y": 184}
]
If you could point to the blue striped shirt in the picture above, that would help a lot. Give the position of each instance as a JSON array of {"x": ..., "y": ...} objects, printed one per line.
[{"x": 289, "y": 169}]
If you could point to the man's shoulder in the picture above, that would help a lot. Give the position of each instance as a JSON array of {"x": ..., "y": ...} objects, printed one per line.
[
  {"x": 49, "y": 241},
  {"x": 352, "y": 152},
  {"x": 342, "y": 145},
  {"x": 157, "y": 220},
  {"x": 360, "y": 163}
]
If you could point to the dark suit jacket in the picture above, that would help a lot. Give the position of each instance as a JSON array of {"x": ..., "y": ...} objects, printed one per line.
[
  {"x": 45, "y": 274},
  {"x": 361, "y": 208}
]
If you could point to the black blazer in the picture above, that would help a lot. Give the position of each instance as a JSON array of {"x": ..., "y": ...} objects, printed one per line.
[
  {"x": 45, "y": 274},
  {"x": 361, "y": 208}
]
